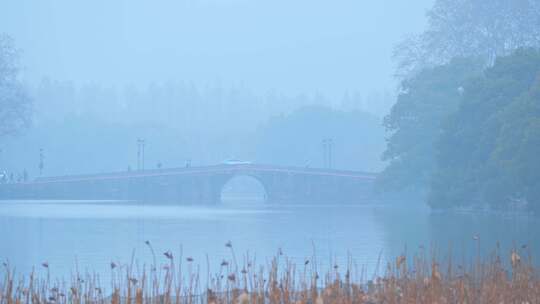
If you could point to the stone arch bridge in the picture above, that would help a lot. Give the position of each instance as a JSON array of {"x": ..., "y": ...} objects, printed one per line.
[{"x": 199, "y": 185}]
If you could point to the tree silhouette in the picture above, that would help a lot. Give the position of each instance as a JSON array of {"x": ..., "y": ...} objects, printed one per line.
[{"x": 15, "y": 103}]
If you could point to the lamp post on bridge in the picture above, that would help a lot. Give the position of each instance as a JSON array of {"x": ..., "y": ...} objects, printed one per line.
[
  {"x": 330, "y": 150},
  {"x": 327, "y": 152},
  {"x": 140, "y": 153},
  {"x": 143, "y": 144},
  {"x": 41, "y": 161}
]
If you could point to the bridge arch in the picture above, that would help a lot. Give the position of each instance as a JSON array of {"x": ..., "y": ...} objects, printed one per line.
[{"x": 243, "y": 186}]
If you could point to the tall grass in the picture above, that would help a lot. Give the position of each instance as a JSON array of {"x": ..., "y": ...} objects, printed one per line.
[{"x": 500, "y": 278}]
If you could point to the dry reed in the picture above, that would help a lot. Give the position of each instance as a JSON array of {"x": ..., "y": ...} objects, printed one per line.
[{"x": 416, "y": 279}]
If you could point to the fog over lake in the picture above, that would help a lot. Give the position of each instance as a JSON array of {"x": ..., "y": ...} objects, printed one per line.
[{"x": 269, "y": 151}]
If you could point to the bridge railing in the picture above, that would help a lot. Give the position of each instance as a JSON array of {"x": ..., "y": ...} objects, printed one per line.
[{"x": 206, "y": 170}]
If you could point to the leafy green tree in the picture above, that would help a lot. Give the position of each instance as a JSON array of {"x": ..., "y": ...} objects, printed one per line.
[
  {"x": 488, "y": 149},
  {"x": 515, "y": 158},
  {"x": 414, "y": 123},
  {"x": 14, "y": 100},
  {"x": 471, "y": 28}
]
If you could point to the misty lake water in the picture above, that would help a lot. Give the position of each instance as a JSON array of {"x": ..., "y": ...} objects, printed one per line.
[{"x": 89, "y": 235}]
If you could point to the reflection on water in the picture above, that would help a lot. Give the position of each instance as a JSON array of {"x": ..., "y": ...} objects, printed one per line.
[{"x": 92, "y": 234}]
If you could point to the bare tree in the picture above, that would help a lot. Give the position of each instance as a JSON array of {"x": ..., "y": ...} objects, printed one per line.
[
  {"x": 15, "y": 103},
  {"x": 471, "y": 28}
]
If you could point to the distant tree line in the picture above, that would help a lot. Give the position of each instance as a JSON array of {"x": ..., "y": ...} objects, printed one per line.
[
  {"x": 94, "y": 128},
  {"x": 465, "y": 129},
  {"x": 355, "y": 139}
]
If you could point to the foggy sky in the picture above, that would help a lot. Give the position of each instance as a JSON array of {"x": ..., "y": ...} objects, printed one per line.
[{"x": 292, "y": 46}]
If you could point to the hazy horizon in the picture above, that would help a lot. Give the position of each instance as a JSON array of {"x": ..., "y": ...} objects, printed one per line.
[{"x": 337, "y": 47}]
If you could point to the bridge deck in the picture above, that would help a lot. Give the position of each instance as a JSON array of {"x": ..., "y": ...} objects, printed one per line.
[
  {"x": 205, "y": 170},
  {"x": 199, "y": 185}
]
